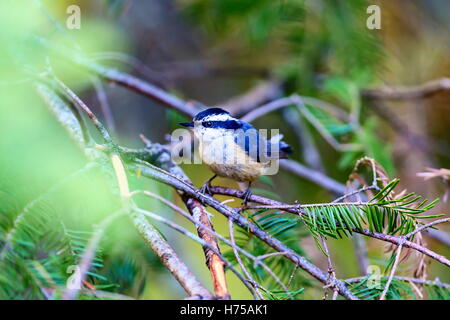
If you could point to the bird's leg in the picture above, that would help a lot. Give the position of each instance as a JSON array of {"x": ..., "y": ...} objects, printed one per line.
[
  {"x": 247, "y": 194},
  {"x": 205, "y": 188}
]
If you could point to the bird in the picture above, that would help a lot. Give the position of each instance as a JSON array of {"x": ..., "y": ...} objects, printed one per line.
[{"x": 234, "y": 149}]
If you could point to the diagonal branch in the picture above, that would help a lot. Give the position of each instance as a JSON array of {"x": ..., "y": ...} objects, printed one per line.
[
  {"x": 405, "y": 93},
  {"x": 161, "y": 157},
  {"x": 257, "y": 260},
  {"x": 229, "y": 212}
]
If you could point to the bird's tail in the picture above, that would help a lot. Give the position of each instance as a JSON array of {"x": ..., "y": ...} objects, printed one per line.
[
  {"x": 285, "y": 150},
  {"x": 283, "y": 147}
]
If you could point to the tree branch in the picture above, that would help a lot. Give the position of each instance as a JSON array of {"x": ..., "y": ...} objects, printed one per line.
[
  {"x": 169, "y": 258},
  {"x": 242, "y": 222},
  {"x": 313, "y": 175},
  {"x": 162, "y": 158},
  {"x": 161, "y": 248},
  {"x": 406, "y": 93}
]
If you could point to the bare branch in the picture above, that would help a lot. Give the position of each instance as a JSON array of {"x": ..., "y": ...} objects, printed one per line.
[
  {"x": 421, "y": 228},
  {"x": 78, "y": 102},
  {"x": 262, "y": 92},
  {"x": 267, "y": 108},
  {"x": 315, "y": 176},
  {"x": 200, "y": 225},
  {"x": 257, "y": 294},
  {"x": 195, "y": 238},
  {"x": 331, "y": 271},
  {"x": 104, "y": 104},
  {"x": 169, "y": 258},
  {"x": 406, "y": 93},
  {"x": 121, "y": 78},
  {"x": 308, "y": 147}
]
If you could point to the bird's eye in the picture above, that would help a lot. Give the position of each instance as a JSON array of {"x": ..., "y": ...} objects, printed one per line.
[{"x": 207, "y": 124}]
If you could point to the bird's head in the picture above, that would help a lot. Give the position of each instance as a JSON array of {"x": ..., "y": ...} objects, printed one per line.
[{"x": 212, "y": 123}]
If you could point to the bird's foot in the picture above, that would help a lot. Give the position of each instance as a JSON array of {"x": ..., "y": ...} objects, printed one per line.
[
  {"x": 205, "y": 188},
  {"x": 247, "y": 195}
]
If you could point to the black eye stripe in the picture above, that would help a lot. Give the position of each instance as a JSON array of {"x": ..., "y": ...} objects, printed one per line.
[{"x": 227, "y": 124}]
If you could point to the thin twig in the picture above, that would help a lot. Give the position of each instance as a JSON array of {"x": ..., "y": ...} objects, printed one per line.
[
  {"x": 257, "y": 293},
  {"x": 121, "y": 78},
  {"x": 266, "y": 108},
  {"x": 331, "y": 272},
  {"x": 421, "y": 228},
  {"x": 193, "y": 287},
  {"x": 321, "y": 129},
  {"x": 267, "y": 255},
  {"x": 262, "y": 92},
  {"x": 313, "y": 175},
  {"x": 297, "y": 101},
  {"x": 104, "y": 104},
  {"x": 309, "y": 151},
  {"x": 345, "y": 196},
  {"x": 85, "y": 109},
  {"x": 391, "y": 276},
  {"x": 169, "y": 258}
]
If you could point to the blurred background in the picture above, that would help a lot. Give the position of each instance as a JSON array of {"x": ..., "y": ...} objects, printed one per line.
[{"x": 215, "y": 53}]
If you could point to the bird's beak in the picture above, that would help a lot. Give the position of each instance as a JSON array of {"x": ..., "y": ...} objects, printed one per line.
[{"x": 187, "y": 124}]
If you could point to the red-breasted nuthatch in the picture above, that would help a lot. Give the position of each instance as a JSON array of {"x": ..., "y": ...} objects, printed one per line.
[{"x": 234, "y": 149}]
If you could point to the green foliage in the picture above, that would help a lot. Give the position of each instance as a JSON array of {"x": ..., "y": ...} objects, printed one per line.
[
  {"x": 373, "y": 147},
  {"x": 33, "y": 251},
  {"x": 398, "y": 290},
  {"x": 332, "y": 125},
  {"x": 381, "y": 214},
  {"x": 78, "y": 241},
  {"x": 282, "y": 295},
  {"x": 258, "y": 21},
  {"x": 37, "y": 252}
]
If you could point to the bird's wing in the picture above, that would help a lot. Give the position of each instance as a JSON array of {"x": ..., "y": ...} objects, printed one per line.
[
  {"x": 258, "y": 147},
  {"x": 249, "y": 140}
]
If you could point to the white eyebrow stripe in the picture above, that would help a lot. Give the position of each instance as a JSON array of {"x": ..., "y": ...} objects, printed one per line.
[{"x": 218, "y": 117}]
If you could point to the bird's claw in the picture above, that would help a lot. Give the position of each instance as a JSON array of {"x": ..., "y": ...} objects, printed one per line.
[
  {"x": 205, "y": 189},
  {"x": 247, "y": 195}
]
